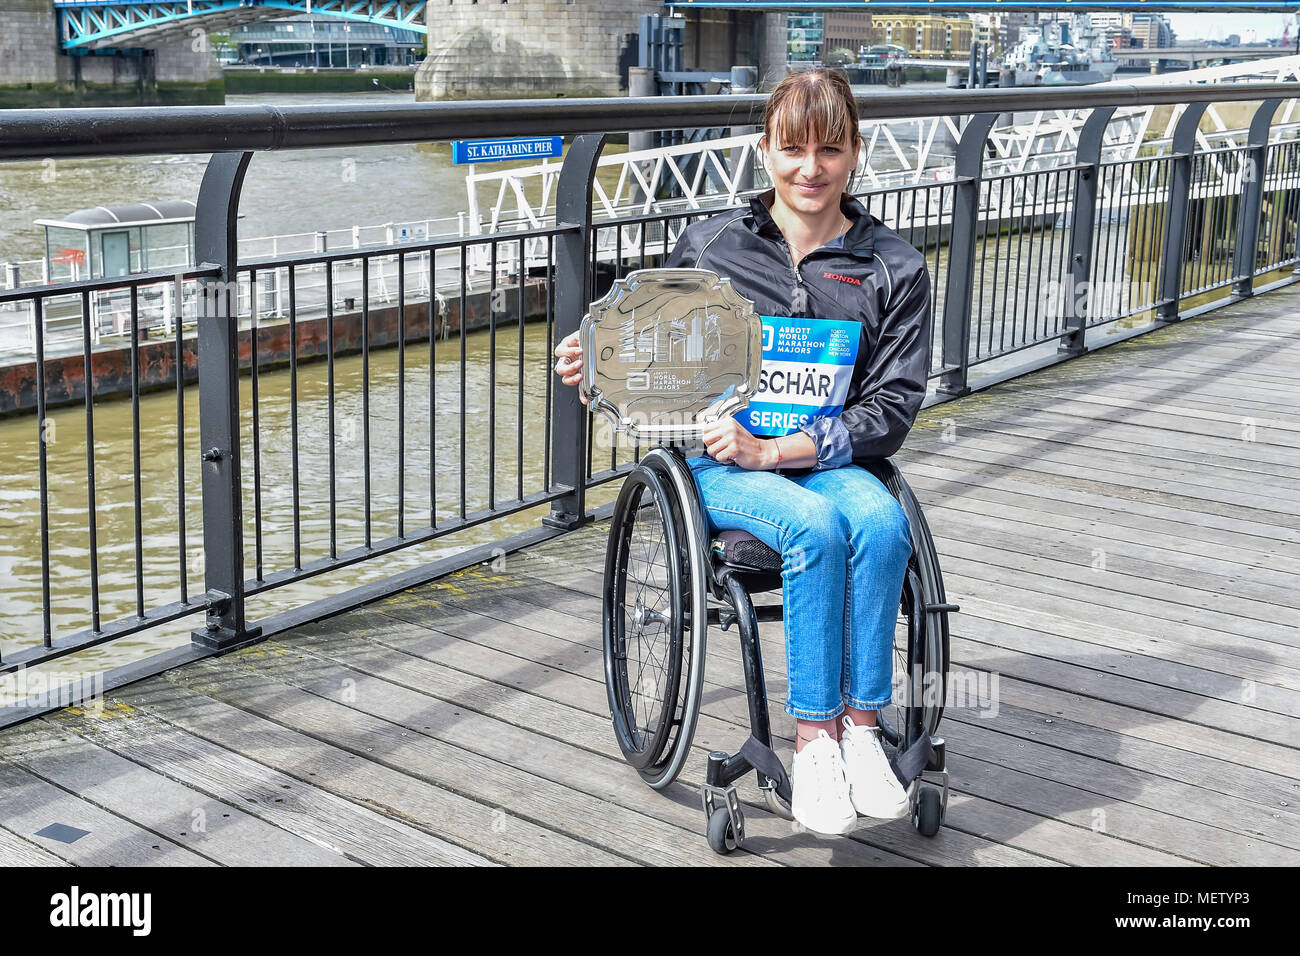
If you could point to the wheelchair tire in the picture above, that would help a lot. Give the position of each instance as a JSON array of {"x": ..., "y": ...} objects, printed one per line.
[
  {"x": 929, "y": 692},
  {"x": 720, "y": 833},
  {"x": 927, "y": 815},
  {"x": 654, "y": 640}
]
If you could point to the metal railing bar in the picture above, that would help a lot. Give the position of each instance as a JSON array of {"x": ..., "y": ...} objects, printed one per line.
[
  {"x": 112, "y": 283},
  {"x": 182, "y": 554},
  {"x": 86, "y": 639},
  {"x": 92, "y": 517},
  {"x": 463, "y": 443},
  {"x": 401, "y": 394},
  {"x": 330, "y": 405},
  {"x": 135, "y": 453},
  {"x": 365, "y": 391},
  {"x": 293, "y": 416},
  {"x": 519, "y": 373},
  {"x": 254, "y": 361},
  {"x": 407, "y": 248},
  {"x": 492, "y": 380},
  {"x": 433, "y": 397},
  {"x": 28, "y": 133}
]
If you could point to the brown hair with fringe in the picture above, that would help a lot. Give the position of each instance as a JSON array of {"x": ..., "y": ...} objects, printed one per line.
[{"x": 818, "y": 99}]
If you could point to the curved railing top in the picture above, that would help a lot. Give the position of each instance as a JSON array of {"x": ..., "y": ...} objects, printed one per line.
[{"x": 36, "y": 134}]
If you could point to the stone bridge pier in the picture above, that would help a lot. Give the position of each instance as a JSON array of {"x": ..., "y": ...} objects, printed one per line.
[{"x": 35, "y": 72}]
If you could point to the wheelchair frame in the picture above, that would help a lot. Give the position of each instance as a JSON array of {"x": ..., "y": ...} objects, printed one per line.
[{"x": 657, "y": 747}]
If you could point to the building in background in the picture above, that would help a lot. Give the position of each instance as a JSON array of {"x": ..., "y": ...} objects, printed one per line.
[
  {"x": 806, "y": 34},
  {"x": 925, "y": 36},
  {"x": 308, "y": 40},
  {"x": 816, "y": 37},
  {"x": 846, "y": 30}
]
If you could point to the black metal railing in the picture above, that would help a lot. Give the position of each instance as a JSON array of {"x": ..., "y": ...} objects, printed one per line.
[{"x": 446, "y": 437}]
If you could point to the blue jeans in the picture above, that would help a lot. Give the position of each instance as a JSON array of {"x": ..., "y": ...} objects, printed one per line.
[{"x": 844, "y": 542}]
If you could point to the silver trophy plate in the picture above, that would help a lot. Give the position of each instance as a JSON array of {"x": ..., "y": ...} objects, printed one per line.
[{"x": 668, "y": 350}]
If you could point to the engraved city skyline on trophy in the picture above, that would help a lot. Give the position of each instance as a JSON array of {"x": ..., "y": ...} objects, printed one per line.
[{"x": 666, "y": 350}]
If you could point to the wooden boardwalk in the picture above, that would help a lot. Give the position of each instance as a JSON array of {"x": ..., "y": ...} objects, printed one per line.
[{"x": 1122, "y": 533}]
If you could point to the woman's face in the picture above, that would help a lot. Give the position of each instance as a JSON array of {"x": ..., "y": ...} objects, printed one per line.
[{"x": 810, "y": 178}]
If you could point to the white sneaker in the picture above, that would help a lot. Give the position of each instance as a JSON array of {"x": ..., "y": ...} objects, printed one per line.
[
  {"x": 821, "y": 792},
  {"x": 873, "y": 788}
]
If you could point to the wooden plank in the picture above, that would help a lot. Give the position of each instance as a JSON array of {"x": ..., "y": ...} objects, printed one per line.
[
  {"x": 1216, "y": 450},
  {"x": 222, "y": 832},
  {"x": 897, "y": 837},
  {"x": 1230, "y": 746},
  {"x": 732, "y": 703},
  {"x": 1149, "y": 810},
  {"x": 1212, "y": 759},
  {"x": 527, "y": 605},
  {"x": 1142, "y": 691},
  {"x": 1066, "y": 658},
  {"x": 15, "y": 851},
  {"x": 1207, "y": 697},
  {"x": 1167, "y": 543},
  {"x": 1165, "y": 575},
  {"x": 1123, "y": 473},
  {"x": 994, "y": 420},
  {"x": 1246, "y": 647},
  {"x": 392, "y": 685},
  {"x": 967, "y": 494},
  {"x": 28, "y": 805},
  {"x": 1172, "y": 393},
  {"x": 1209, "y": 430},
  {"x": 271, "y": 687},
  {"x": 301, "y": 805}
]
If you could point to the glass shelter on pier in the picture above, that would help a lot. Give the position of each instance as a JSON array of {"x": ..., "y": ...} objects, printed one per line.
[{"x": 106, "y": 241}]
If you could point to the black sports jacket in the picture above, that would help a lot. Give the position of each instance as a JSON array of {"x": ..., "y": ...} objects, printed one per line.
[{"x": 877, "y": 277}]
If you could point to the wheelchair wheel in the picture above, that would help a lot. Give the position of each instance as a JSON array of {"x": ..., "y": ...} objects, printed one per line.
[
  {"x": 653, "y": 636},
  {"x": 918, "y": 708}
]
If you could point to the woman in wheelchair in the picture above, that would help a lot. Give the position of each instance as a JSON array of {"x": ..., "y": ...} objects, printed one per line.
[{"x": 846, "y": 302}]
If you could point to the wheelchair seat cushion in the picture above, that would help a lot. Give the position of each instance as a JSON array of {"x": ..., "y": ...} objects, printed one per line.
[{"x": 740, "y": 549}]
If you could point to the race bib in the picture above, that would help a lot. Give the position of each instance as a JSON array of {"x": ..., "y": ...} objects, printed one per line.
[{"x": 807, "y": 369}]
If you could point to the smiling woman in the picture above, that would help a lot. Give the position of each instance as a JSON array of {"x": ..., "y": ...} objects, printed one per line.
[{"x": 845, "y": 305}]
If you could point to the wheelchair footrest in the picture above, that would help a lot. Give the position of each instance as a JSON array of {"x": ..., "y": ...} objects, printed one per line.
[{"x": 764, "y": 759}]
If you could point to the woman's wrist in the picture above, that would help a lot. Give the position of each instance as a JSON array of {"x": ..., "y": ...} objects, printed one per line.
[
  {"x": 795, "y": 450},
  {"x": 774, "y": 454}
]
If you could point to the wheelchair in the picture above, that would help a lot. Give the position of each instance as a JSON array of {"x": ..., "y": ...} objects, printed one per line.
[{"x": 662, "y": 570}]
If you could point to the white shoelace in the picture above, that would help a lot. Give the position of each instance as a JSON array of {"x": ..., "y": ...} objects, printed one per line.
[
  {"x": 870, "y": 750},
  {"x": 825, "y": 766}
]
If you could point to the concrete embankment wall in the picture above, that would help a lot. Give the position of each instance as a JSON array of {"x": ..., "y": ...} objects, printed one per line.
[
  {"x": 65, "y": 378},
  {"x": 246, "y": 80}
]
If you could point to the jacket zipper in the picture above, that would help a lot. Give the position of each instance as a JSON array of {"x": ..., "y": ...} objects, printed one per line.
[{"x": 798, "y": 276}]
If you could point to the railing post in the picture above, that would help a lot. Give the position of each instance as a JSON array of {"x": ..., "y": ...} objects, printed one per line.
[
  {"x": 1246, "y": 252},
  {"x": 1180, "y": 187},
  {"x": 215, "y": 246},
  {"x": 961, "y": 254},
  {"x": 1087, "y": 156},
  {"x": 572, "y": 282}
]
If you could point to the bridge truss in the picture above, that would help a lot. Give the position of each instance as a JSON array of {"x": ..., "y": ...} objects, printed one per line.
[{"x": 97, "y": 24}]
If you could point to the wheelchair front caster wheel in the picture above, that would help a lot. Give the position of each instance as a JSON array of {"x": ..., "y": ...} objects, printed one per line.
[
  {"x": 720, "y": 833},
  {"x": 927, "y": 815}
]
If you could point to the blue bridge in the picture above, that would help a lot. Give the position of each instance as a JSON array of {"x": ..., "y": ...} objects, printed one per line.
[{"x": 100, "y": 24}]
